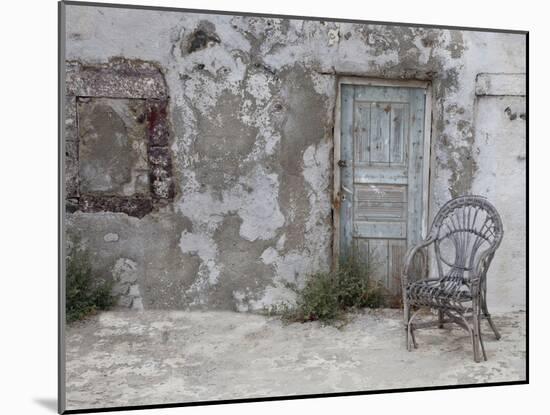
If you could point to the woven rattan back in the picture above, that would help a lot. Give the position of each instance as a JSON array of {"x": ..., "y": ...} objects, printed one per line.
[{"x": 464, "y": 229}]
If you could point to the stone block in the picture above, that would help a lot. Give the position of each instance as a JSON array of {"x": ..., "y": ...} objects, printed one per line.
[{"x": 112, "y": 146}]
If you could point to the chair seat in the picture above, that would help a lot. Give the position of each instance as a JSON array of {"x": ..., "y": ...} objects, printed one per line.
[{"x": 447, "y": 293}]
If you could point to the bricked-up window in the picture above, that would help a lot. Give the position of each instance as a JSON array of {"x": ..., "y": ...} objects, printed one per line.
[{"x": 117, "y": 137}]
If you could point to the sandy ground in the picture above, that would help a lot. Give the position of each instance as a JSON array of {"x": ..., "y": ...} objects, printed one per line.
[{"x": 154, "y": 357}]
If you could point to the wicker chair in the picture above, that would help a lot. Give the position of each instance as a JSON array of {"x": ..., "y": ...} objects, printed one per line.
[{"x": 464, "y": 237}]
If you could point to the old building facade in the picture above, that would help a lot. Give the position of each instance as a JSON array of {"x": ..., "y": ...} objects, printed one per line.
[{"x": 210, "y": 159}]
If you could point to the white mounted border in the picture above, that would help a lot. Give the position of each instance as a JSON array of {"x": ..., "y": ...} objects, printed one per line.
[{"x": 336, "y": 194}]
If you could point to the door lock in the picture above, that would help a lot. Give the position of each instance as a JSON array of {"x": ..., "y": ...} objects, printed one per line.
[
  {"x": 344, "y": 191},
  {"x": 342, "y": 163}
]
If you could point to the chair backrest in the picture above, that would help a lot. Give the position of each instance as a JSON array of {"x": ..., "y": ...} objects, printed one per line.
[{"x": 464, "y": 229}]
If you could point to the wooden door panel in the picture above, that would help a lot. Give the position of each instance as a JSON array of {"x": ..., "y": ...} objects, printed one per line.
[
  {"x": 361, "y": 121},
  {"x": 398, "y": 134},
  {"x": 416, "y": 163},
  {"x": 346, "y": 172},
  {"x": 377, "y": 174},
  {"x": 380, "y": 133},
  {"x": 375, "y": 252},
  {"x": 396, "y": 252},
  {"x": 387, "y": 94},
  {"x": 380, "y": 211},
  {"x": 386, "y": 259},
  {"x": 382, "y": 142},
  {"x": 380, "y": 230}
]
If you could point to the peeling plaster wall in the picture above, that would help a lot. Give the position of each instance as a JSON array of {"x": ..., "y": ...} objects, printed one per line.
[{"x": 251, "y": 108}]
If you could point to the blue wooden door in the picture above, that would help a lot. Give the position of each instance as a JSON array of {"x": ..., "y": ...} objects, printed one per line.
[{"x": 381, "y": 171}]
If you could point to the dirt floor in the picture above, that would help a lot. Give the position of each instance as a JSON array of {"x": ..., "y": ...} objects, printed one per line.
[{"x": 154, "y": 357}]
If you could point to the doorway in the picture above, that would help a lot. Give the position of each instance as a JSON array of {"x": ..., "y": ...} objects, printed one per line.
[{"x": 381, "y": 172}]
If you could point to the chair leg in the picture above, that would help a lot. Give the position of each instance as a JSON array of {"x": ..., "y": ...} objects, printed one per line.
[
  {"x": 410, "y": 332},
  {"x": 440, "y": 316},
  {"x": 481, "y": 338},
  {"x": 476, "y": 339},
  {"x": 407, "y": 316},
  {"x": 488, "y": 317},
  {"x": 411, "y": 340},
  {"x": 415, "y": 344},
  {"x": 407, "y": 340}
]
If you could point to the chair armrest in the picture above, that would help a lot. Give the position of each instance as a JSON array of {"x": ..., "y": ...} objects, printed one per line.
[{"x": 409, "y": 257}]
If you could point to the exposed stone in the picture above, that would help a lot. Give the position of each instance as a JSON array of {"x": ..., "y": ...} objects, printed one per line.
[
  {"x": 124, "y": 270},
  {"x": 162, "y": 282},
  {"x": 72, "y": 185},
  {"x": 119, "y": 77},
  {"x": 71, "y": 205},
  {"x": 202, "y": 37},
  {"x": 137, "y": 304},
  {"x": 120, "y": 289},
  {"x": 118, "y": 158},
  {"x": 333, "y": 37},
  {"x": 161, "y": 173},
  {"x": 157, "y": 125},
  {"x": 112, "y": 147},
  {"x": 111, "y": 237},
  {"x": 125, "y": 301},
  {"x": 134, "y": 291},
  {"x": 133, "y": 206}
]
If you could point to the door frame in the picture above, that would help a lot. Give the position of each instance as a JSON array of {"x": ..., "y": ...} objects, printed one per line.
[{"x": 336, "y": 196}]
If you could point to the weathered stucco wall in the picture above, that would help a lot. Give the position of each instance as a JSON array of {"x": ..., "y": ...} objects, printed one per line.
[{"x": 251, "y": 115}]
